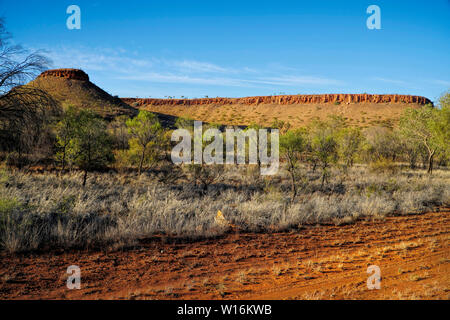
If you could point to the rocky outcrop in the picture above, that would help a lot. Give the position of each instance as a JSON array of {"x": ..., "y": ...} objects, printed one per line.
[
  {"x": 77, "y": 74},
  {"x": 72, "y": 87},
  {"x": 72, "y": 74},
  {"x": 285, "y": 99}
]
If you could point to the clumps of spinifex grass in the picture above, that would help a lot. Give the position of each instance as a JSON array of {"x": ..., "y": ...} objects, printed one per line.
[{"x": 38, "y": 212}]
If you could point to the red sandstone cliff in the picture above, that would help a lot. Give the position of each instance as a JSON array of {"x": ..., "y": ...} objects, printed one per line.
[
  {"x": 286, "y": 99},
  {"x": 76, "y": 74},
  {"x": 72, "y": 74}
]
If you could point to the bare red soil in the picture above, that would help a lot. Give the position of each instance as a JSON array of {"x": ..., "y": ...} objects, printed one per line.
[{"x": 317, "y": 262}]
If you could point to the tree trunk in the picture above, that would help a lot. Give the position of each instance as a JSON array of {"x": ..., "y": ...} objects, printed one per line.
[
  {"x": 141, "y": 162},
  {"x": 84, "y": 177},
  {"x": 64, "y": 160},
  {"x": 259, "y": 166},
  {"x": 19, "y": 161},
  {"x": 294, "y": 187},
  {"x": 430, "y": 162},
  {"x": 324, "y": 176}
]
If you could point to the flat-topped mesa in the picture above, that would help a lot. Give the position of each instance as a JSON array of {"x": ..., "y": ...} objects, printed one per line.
[
  {"x": 72, "y": 74},
  {"x": 286, "y": 99}
]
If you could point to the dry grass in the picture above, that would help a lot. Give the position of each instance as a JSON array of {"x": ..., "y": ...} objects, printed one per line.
[
  {"x": 38, "y": 212},
  {"x": 298, "y": 115},
  {"x": 82, "y": 94}
]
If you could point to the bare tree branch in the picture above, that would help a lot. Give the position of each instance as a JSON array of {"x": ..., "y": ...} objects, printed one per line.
[{"x": 23, "y": 109}]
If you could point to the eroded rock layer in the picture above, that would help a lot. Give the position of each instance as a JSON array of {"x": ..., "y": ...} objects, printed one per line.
[
  {"x": 285, "y": 99},
  {"x": 72, "y": 74}
]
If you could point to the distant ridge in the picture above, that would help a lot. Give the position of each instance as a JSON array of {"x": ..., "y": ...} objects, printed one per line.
[
  {"x": 73, "y": 87},
  {"x": 285, "y": 100}
]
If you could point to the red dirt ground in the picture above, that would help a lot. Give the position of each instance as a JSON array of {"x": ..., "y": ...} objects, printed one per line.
[{"x": 317, "y": 262}]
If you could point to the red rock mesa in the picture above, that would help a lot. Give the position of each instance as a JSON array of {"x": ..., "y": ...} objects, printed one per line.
[
  {"x": 76, "y": 74},
  {"x": 285, "y": 99},
  {"x": 73, "y": 74}
]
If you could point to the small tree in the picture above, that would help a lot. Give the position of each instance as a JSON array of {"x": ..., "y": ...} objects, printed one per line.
[
  {"x": 90, "y": 147},
  {"x": 441, "y": 126},
  {"x": 349, "y": 141},
  {"x": 412, "y": 150},
  {"x": 204, "y": 175},
  {"x": 292, "y": 144},
  {"x": 145, "y": 130},
  {"x": 380, "y": 143},
  {"x": 281, "y": 125},
  {"x": 429, "y": 127},
  {"x": 184, "y": 123},
  {"x": 119, "y": 132},
  {"x": 254, "y": 140},
  {"x": 65, "y": 132},
  {"x": 323, "y": 147}
]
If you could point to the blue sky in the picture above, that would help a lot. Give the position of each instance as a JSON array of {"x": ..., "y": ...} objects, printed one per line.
[{"x": 243, "y": 48}]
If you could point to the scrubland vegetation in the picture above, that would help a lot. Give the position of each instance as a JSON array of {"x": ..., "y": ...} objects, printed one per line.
[
  {"x": 41, "y": 211},
  {"x": 108, "y": 185},
  {"x": 71, "y": 179}
]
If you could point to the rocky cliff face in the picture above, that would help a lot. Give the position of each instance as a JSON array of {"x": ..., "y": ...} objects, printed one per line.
[
  {"x": 286, "y": 99},
  {"x": 72, "y": 74},
  {"x": 76, "y": 74}
]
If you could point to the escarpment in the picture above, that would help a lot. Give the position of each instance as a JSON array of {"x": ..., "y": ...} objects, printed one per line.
[
  {"x": 285, "y": 100},
  {"x": 72, "y": 74},
  {"x": 73, "y": 87}
]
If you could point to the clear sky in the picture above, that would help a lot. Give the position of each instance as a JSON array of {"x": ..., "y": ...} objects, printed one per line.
[{"x": 241, "y": 48}]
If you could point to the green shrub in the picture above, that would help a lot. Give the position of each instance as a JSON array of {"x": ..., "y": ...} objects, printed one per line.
[{"x": 383, "y": 165}]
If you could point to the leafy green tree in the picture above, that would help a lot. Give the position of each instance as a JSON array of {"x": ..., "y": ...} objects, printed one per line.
[
  {"x": 90, "y": 147},
  {"x": 349, "y": 142},
  {"x": 292, "y": 145},
  {"x": 336, "y": 123},
  {"x": 184, "y": 123},
  {"x": 444, "y": 100},
  {"x": 427, "y": 126},
  {"x": 441, "y": 126},
  {"x": 166, "y": 145},
  {"x": 145, "y": 131},
  {"x": 380, "y": 143},
  {"x": 412, "y": 151},
  {"x": 281, "y": 125},
  {"x": 254, "y": 140}
]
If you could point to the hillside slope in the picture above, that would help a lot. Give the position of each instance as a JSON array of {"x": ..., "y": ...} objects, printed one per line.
[
  {"x": 72, "y": 87},
  {"x": 359, "y": 109}
]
